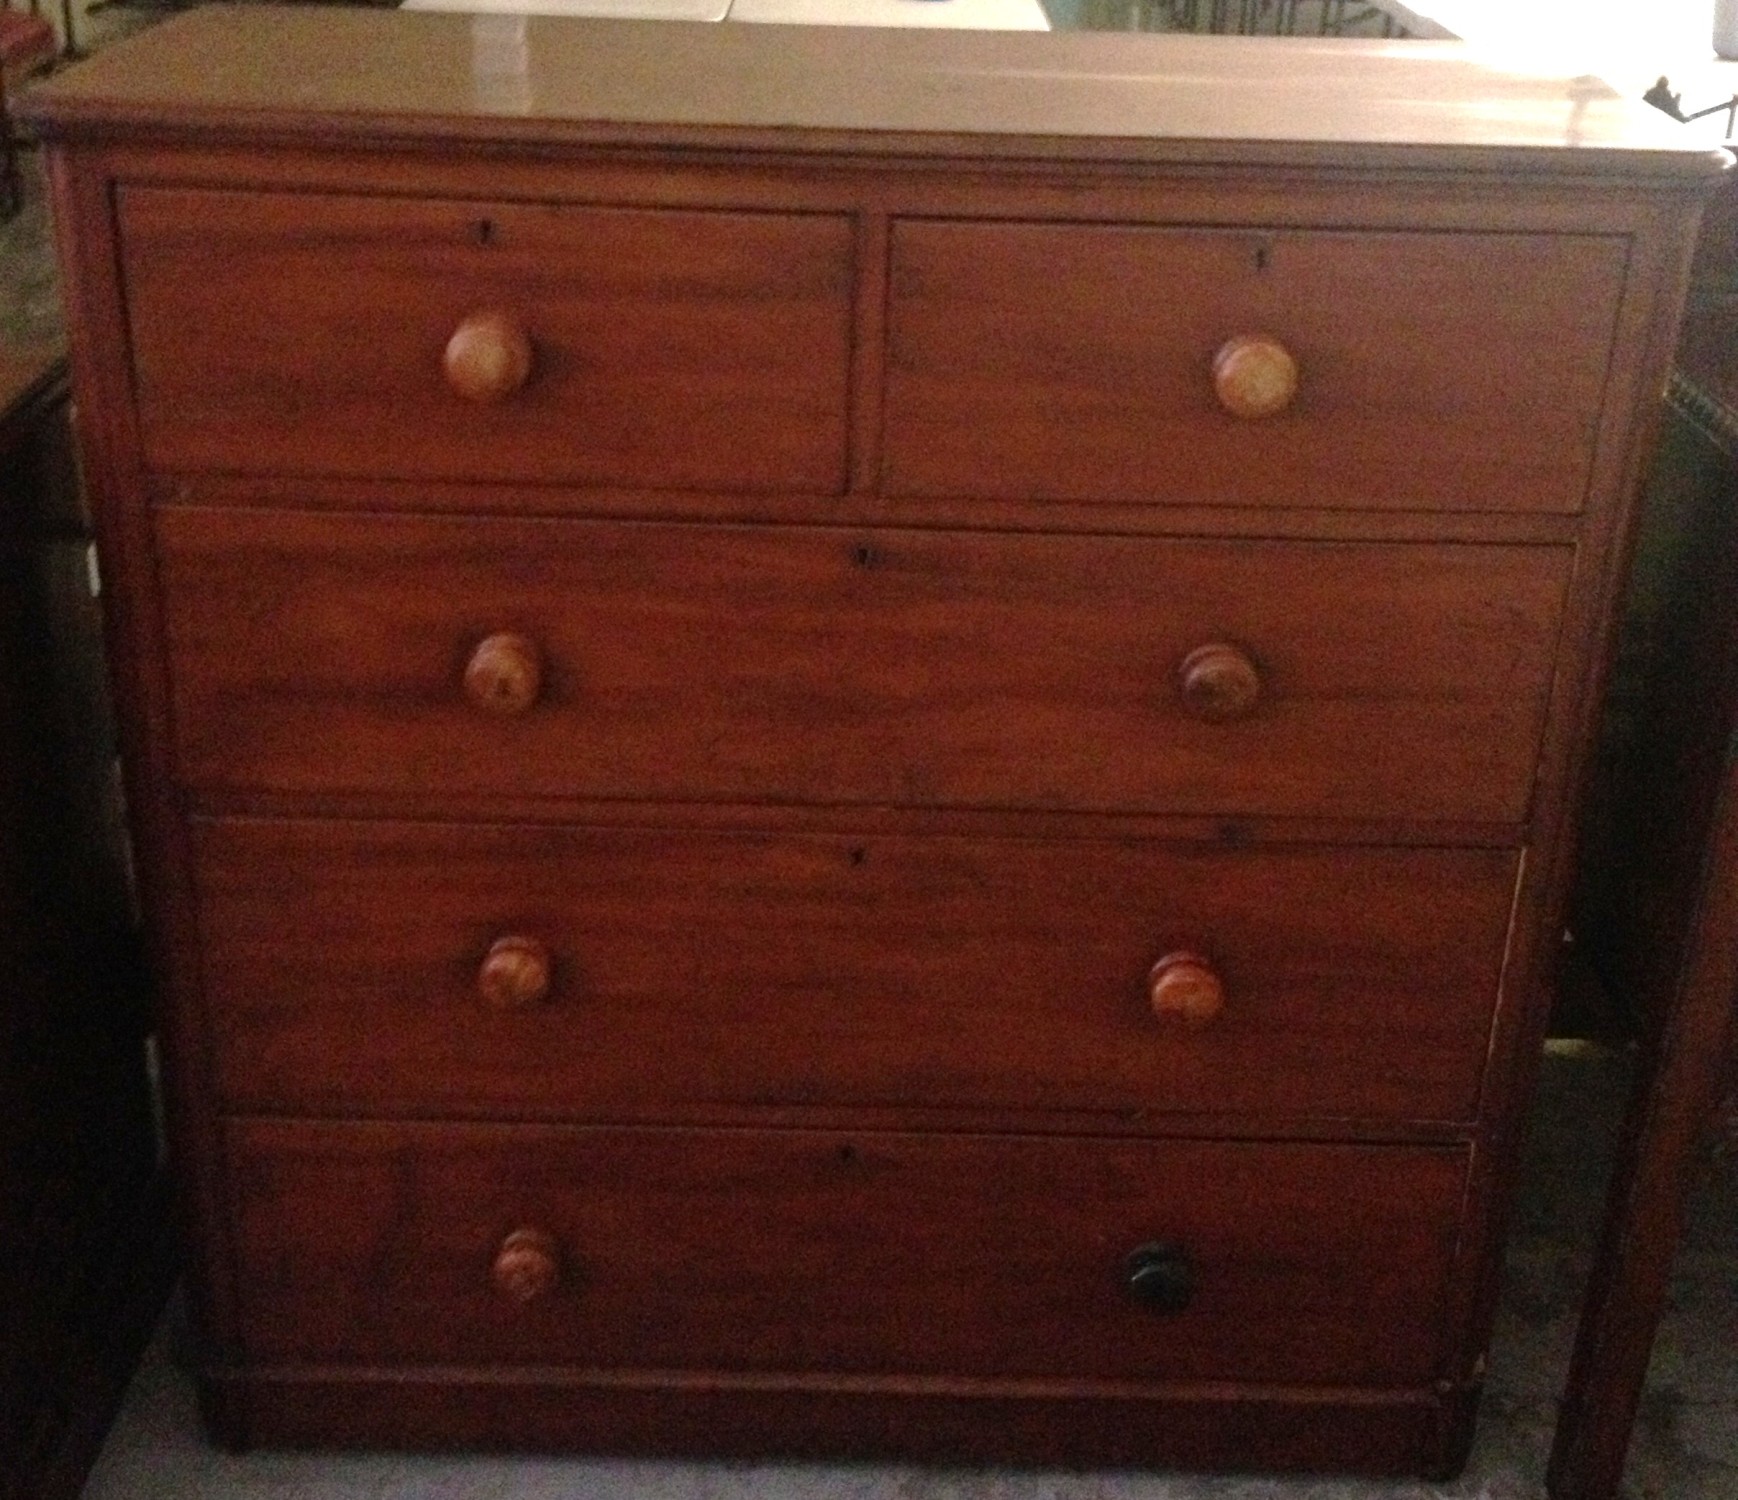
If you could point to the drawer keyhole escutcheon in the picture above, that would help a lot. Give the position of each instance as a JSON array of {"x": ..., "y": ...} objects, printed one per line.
[
  {"x": 1184, "y": 986},
  {"x": 504, "y": 674},
  {"x": 1219, "y": 681},
  {"x": 527, "y": 1266},
  {"x": 1254, "y": 375},
  {"x": 1160, "y": 1275},
  {"x": 515, "y": 973},
  {"x": 488, "y": 357}
]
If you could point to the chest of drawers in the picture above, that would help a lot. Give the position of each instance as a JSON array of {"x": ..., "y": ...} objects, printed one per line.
[{"x": 853, "y": 744}]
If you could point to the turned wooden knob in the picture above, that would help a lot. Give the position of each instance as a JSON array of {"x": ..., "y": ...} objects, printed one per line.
[
  {"x": 488, "y": 357},
  {"x": 515, "y": 973},
  {"x": 504, "y": 674},
  {"x": 1183, "y": 987},
  {"x": 1254, "y": 375},
  {"x": 527, "y": 1265},
  {"x": 1219, "y": 681}
]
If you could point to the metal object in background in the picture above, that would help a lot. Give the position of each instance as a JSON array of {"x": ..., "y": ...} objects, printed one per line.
[
  {"x": 1359, "y": 18},
  {"x": 1662, "y": 98}
]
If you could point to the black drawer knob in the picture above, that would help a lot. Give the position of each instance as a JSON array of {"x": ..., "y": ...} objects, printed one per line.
[{"x": 1160, "y": 1276}]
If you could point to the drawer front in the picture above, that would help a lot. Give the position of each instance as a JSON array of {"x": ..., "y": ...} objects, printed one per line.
[
  {"x": 1070, "y": 362},
  {"x": 339, "y": 654},
  {"x": 861, "y": 1254},
  {"x": 622, "y": 973},
  {"x": 667, "y": 348}
]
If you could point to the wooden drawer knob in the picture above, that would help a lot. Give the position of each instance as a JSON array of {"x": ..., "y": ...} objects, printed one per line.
[
  {"x": 1182, "y": 986},
  {"x": 504, "y": 674},
  {"x": 1219, "y": 681},
  {"x": 1254, "y": 375},
  {"x": 527, "y": 1265},
  {"x": 488, "y": 357},
  {"x": 515, "y": 973},
  {"x": 1160, "y": 1275}
]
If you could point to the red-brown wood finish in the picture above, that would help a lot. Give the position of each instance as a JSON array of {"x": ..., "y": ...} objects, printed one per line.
[
  {"x": 843, "y": 1255},
  {"x": 804, "y": 664},
  {"x": 1186, "y": 988},
  {"x": 517, "y": 971},
  {"x": 954, "y": 1422},
  {"x": 113, "y": 476},
  {"x": 527, "y": 1267},
  {"x": 1475, "y": 387},
  {"x": 905, "y": 652},
  {"x": 662, "y": 347},
  {"x": 1008, "y": 975},
  {"x": 1254, "y": 376},
  {"x": 489, "y": 357}
]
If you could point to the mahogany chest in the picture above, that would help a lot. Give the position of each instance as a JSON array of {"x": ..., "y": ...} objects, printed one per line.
[{"x": 854, "y": 743}]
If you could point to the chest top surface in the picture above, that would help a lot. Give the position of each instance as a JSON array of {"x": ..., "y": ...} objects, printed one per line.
[{"x": 303, "y": 71}]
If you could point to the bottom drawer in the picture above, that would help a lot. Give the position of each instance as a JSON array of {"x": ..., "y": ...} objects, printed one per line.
[{"x": 861, "y": 1254}]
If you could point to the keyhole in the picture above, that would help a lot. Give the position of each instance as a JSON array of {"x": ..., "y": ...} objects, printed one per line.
[
  {"x": 1261, "y": 255},
  {"x": 485, "y": 231}
]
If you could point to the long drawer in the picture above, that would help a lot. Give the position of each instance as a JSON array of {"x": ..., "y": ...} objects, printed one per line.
[
  {"x": 853, "y": 1254},
  {"x": 1075, "y": 362},
  {"x": 631, "y": 973},
  {"x": 459, "y": 339},
  {"x": 314, "y": 653}
]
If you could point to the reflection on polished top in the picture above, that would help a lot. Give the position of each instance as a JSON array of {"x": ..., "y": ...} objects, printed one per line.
[
  {"x": 1066, "y": 95},
  {"x": 971, "y": 15}
]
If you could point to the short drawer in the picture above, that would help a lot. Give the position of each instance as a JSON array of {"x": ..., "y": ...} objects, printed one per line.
[
  {"x": 818, "y": 665},
  {"x": 860, "y": 1254},
  {"x": 1073, "y": 362},
  {"x": 602, "y": 346},
  {"x": 626, "y": 973}
]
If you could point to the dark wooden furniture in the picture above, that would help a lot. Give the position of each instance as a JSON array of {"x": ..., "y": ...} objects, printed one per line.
[
  {"x": 84, "y": 1248},
  {"x": 855, "y": 743},
  {"x": 1658, "y": 901},
  {"x": 27, "y": 42}
]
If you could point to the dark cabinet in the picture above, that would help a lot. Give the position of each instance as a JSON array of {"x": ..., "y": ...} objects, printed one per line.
[{"x": 83, "y": 1263}]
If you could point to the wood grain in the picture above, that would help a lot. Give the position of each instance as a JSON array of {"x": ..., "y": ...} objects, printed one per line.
[
  {"x": 321, "y": 653},
  {"x": 793, "y": 1251},
  {"x": 883, "y": 91},
  {"x": 1478, "y": 388},
  {"x": 671, "y": 348},
  {"x": 694, "y": 970}
]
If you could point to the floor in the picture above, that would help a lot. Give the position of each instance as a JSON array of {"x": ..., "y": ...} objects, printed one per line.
[
  {"x": 30, "y": 314},
  {"x": 1686, "y": 1444}
]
